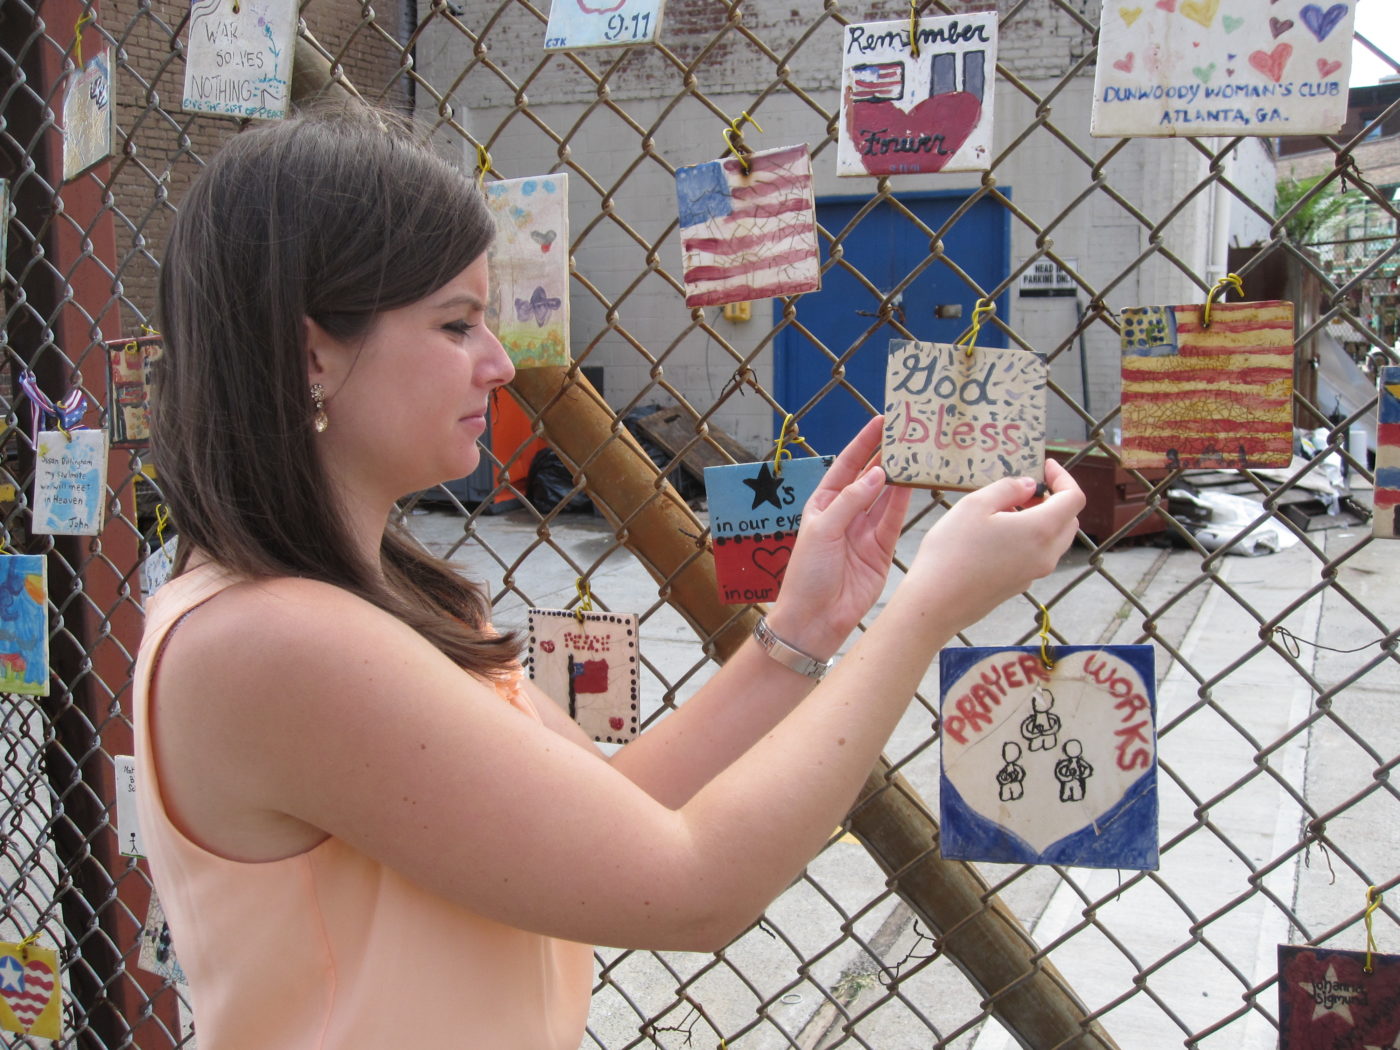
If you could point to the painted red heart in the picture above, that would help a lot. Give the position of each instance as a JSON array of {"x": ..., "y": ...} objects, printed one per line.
[
  {"x": 547, "y": 646},
  {"x": 772, "y": 560},
  {"x": 616, "y": 724},
  {"x": 35, "y": 990},
  {"x": 1271, "y": 63},
  {"x": 937, "y": 127},
  {"x": 601, "y": 10},
  {"x": 1326, "y": 68},
  {"x": 1125, "y": 63},
  {"x": 1167, "y": 5}
]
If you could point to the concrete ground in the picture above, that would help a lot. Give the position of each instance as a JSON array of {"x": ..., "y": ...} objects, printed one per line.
[{"x": 1247, "y": 736}]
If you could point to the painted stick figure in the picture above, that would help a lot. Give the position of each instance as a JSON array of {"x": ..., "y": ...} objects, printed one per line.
[
  {"x": 1071, "y": 771},
  {"x": 1011, "y": 775},
  {"x": 1041, "y": 728}
]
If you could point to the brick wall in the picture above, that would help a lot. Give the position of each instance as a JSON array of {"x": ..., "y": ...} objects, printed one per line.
[{"x": 160, "y": 148}]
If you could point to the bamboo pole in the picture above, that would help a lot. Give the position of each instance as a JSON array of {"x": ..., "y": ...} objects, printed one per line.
[{"x": 972, "y": 926}]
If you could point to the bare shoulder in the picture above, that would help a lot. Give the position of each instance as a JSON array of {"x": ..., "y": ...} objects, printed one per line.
[{"x": 257, "y": 682}]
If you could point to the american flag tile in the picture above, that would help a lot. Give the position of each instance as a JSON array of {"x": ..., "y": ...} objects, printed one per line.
[
  {"x": 748, "y": 236},
  {"x": 1208, "y": 397}
]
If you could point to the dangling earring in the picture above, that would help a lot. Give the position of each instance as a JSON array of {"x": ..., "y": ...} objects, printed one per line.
[{"x": 318, "y": 400}]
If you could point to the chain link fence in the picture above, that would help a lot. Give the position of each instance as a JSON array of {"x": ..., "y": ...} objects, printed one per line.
[{"x": 1276, "y": 675}]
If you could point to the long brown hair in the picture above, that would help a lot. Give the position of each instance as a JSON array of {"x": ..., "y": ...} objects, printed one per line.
[{"x": 334, "y": 215}]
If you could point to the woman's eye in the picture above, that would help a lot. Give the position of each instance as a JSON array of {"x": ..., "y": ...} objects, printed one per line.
[{"x": 459, "y": 328}]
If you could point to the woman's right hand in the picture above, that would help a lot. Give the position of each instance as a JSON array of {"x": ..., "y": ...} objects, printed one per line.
[{"x": 995, "y": 542}]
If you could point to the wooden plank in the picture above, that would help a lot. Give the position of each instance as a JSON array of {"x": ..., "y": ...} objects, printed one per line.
[{"x": 672, "y": 428}]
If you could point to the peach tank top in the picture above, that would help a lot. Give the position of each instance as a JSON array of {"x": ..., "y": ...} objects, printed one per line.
[{"x": 329, "y": 949}]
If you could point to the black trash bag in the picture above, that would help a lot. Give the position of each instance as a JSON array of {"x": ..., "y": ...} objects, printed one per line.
[
  {"x": 686, "y": 484},
  {"x": 549, "y": 483}
]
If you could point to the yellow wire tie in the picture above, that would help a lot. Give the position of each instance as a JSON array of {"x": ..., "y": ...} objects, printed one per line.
[
  {"x": 734, "y": 139},
  {"x": 483, "y": 165},
  {"x": 146, "y": 329},
  {"x": 162, "y": 520},
  {"x": 914, "y": 28},
  {"x": 585, "y": 599},
  {"x": 985, "y": 308},
  {"x": 1230, "y": 280},
  {"x": 25, "y": 944},
  {"x": 1373, "y": 901},
  {"x": 787, "y": 435},
  {"x": 83, "y": 20},
  {"x": 5, "y": 547},
  {"x": 1045, "y": 657}
]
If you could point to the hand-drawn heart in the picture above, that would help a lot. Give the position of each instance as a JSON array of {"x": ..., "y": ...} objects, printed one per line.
[
  {"x": 616, "y": 724},
  {"x": 1130, "y": 14},
  {"x": 586, "y": 9},
  {"x": 547, "y": 646},
  {"x": 772, "y": 560},
  {"x": 1084, "y": 710},
  {"x": 1167, "y": 5},
  {"x": 1326, "y": 68},
  {"x": 1202, "y": 11},
  {"x": 891, "y": 140},
  {"x": 1231, "y": 23},
  {"x": 36, "y": 988},
  {"x": 544, "y": 238},
  {"x": 1322, "y": 22},
  {"x": 1125, "y": 63},
  {"x": 1204, "y": 74},
  {"x": 1229, "y": 71},
  {"x": 1279, "y": 26},
  {"x": 1271, "y": 63}
]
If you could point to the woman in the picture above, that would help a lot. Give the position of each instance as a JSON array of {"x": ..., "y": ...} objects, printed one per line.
[{"x": 364, "y": 825}]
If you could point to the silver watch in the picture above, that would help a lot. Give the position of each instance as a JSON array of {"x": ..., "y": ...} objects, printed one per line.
[{"x": 789, "y": 656}]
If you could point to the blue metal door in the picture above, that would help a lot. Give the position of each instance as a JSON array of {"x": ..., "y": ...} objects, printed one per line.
[{"x": 884, "y": 247}]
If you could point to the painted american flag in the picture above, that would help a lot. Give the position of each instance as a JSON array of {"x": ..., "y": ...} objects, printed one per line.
[
  {"x": 1217, "y": 397},
  {"x": 746, "y": 237},
  {"x": 877, "y": 82}
]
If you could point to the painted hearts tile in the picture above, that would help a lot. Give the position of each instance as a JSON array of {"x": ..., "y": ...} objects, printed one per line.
[
  {"x": 588, "y": 667},
  {"x": 920, "y": 103},
  {"x": 1222, "y": 67},
  {"x": 1328, "y": 1001},
  {"x": 1049, "y": 766},
  {"x": 959, "y": 420},
  {"x": 755, "y": 509},
  {"x": 30, "y": 995},
  {"x": 1214, "y": 397},
  {"x": 24, "y": 624},
  {"x": 1384, "y": 523},
  {"x": 529, "y": 306}
]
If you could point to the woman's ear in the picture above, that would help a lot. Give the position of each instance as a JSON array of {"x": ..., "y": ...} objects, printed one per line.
[{"x": 324, "y": 354}]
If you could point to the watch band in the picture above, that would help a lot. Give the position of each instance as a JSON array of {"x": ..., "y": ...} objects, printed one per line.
[{"x": 789, "y": 656}]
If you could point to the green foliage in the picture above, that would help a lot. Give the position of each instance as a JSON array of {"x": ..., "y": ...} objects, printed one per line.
[{"x": 1317, "y": 206}]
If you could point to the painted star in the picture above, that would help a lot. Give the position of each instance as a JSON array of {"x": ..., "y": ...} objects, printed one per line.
[
  {"x": 11, "y": 975},
  {"x": 765, "y": 488},
  {"x": 1318, "y": 989}
]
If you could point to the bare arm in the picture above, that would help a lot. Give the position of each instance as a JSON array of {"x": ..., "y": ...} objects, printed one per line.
[
  {"x": 838, "y": 569},
  {"x": 295, "y": 702}
]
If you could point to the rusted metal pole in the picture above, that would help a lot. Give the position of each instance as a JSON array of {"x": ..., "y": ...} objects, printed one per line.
[{"x": 976, "y": 931}]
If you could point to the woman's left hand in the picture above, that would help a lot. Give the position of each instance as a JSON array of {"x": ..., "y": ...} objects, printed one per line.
[{"x": 844, "y": 547}]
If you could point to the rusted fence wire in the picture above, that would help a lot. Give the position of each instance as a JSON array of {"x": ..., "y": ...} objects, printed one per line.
[{"x": 1276, "y": 674}]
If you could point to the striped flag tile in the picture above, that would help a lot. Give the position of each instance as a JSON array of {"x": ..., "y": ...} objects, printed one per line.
[
  {"x": 748, "y": 236},
  {"x": 1213, "y": 397}
]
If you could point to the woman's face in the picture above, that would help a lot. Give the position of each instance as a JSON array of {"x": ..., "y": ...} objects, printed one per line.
[{"x": 414, "y": 397}]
